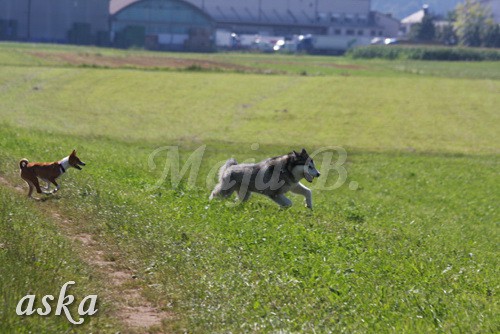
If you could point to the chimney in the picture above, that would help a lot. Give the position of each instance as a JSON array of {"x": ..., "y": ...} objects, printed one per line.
[{"x": 425, "y": 8}]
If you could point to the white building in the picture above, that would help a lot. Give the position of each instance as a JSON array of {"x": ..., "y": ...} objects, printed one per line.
[
  {"x": 187, "y": 24},
  {"x": 287, "y": 17},
  {"x": 80, "y": 21},
  {"x": 412, "y": 19}
]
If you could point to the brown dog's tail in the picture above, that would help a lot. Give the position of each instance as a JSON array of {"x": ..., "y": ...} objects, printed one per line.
[{"x": 23, "y": 163}]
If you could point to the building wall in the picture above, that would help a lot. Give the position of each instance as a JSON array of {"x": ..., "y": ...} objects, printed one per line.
[
  {"x": 389, "y": 26},
  {"x": 282, "y": 11},
  {"x": 42, "y": 20},
  {"x": 163, "y": 24},
  {"x": 51, "y": 20},
  {"x": 278, "y": 17},
  {"x": 15, "y": 11},
  {"x": 343, "y": 18}
]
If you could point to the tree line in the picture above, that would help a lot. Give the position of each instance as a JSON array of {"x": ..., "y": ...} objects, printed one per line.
[{"x": 470, "y": 24}]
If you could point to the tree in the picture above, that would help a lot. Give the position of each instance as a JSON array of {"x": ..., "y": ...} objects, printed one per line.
[
  {"x": 446, "y": 34},
  {"x": 473, "y": 20},
  {"x": 491, "y": 37},
  {"x": 424, "y": 31}
]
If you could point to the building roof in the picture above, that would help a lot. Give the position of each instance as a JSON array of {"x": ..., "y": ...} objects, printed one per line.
[
  {"x": 416, "y": 17},
  {"x": 117, "y": 5},
  {"x": 253, "y": 11}
]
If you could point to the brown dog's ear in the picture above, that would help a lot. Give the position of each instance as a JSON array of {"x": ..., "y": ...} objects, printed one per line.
[{"x": 74, "y": 152}]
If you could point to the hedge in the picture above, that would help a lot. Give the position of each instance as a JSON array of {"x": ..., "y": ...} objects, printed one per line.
[{"x": 424, "y": 53}]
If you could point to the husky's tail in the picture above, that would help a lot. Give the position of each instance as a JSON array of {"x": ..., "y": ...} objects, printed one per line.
[
  {"x": 219, "y": 188},
  {"x": 222, "y": 170},
  {"x": 23, "y": 163}
]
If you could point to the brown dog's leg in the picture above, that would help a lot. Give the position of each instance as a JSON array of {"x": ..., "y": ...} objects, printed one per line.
[
  {"x": 31, "y": 188},
  {"x": 54, "y": 183},
  {"x": 37, "y": 186},
  {"x": 27, "y": 179}
]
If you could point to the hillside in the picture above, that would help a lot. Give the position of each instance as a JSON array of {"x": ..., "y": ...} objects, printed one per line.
[{"x": 403, "y": 236}]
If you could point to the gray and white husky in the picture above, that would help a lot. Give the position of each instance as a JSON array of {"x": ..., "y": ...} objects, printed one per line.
[{"x": 272, "y": 177}]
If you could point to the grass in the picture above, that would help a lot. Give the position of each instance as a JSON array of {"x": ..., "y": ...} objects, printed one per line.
[
  {"x": 36, "y": 259},
  {"x": 413, "y": 249},
  {"x": 338, "y": 110}
]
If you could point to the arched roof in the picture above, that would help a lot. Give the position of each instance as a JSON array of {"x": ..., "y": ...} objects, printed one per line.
[
  {"x": 121, "y": 5},
  {"x": 117, "y": 5}
]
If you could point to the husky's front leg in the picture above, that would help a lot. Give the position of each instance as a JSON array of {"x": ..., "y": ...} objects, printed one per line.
[
  {"x": 244, "y": 195},
  {"x": 304, "y": 191},
  {"x": 282, "y": 200}
]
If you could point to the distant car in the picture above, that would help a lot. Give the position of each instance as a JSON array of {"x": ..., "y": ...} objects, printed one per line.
[
  {"x": 384, "y": 41},
  {"x": 389, "y": 41}
]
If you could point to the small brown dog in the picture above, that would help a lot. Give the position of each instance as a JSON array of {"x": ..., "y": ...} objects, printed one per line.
[{"x": 47, "y": 171}]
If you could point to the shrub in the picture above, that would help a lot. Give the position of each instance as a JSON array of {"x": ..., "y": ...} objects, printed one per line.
[{"x": 425, "y": 53}]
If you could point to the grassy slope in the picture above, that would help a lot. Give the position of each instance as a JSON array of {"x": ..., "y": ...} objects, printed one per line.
[
  {"x": 365, "y": 112},
  {"x": 415, "y": 248},
  {"x": 36, "y": 259}
]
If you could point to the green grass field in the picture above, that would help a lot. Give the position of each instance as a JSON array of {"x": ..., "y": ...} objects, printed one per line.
[{"x": 413, "y": 248}]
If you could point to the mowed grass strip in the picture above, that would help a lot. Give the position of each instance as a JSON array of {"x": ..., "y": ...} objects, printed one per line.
[
  {"x": 425, "y": 114},
  {"x": 274, "y": 64}
]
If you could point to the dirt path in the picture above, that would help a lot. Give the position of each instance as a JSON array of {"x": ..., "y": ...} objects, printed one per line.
[
  {"x": 142, "y": 61},
  {"x": 123, "y": 291}
]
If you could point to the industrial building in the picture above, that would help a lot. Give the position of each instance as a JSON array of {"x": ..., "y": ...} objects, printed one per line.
[
  {"x": 59, "y": 21},
  {"x": 188, "y": 24},
  {"x": 174, "y": 24}
]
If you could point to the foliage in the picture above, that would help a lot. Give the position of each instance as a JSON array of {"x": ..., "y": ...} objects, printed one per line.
[
  {"x": 473, "y": 20},
  {"x": 425, "y": 53},
  {"x": 424, "y": 31},
  {"x": 491, "y": 37},
  {"x": 36, "y": 259},
  {"x": 446, "y": 34}
]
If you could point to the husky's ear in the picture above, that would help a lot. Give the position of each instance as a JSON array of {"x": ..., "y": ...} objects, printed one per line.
[
  {"x": 295, "y": 153},
  {"x": 303, "y": 153}
]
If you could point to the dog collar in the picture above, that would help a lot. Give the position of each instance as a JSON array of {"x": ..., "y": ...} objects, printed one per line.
[{"x": 62, "y": 168}]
